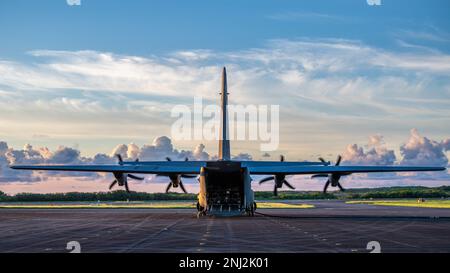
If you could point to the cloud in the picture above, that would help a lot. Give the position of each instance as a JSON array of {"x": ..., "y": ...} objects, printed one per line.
[
  {"x": 158, "y": 150},
  {"x": 3, "y": 147},
  {"x": 196, "y": 70},
  {"x": 105, "y": 71},
  {"x": 419, "y": 150},
  {"x": 329, "y": 86},
  {"x": 296, "y": 16},
  {"x": 446, "y": 144},
  {"x": 243, "y": 157},
  {"x": 199, "y": 153},
  {"x": 376, "y": 154}
]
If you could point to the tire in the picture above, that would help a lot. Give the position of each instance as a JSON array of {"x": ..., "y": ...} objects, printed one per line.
[{"x": 199, "y": 208}]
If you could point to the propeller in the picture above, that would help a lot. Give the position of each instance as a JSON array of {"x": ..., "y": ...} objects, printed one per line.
[
  {"x": 122, "y": 178},
  {"x": 175, "y": 179},
  {"x": 333, "y": 178},
  {"x": 280, "y": 180}
]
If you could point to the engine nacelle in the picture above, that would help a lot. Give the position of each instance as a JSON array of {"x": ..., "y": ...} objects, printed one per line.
[
  {"x": 334, "y": 179},
  {"x": 175, "y": 180},
  {"x": 279, "y": 179},
  {"x": 121, "y": 178}
]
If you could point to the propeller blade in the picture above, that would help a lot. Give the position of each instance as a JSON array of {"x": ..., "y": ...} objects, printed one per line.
[
  {"x": 126, "y": 186},
  {"x": 135, "y": 177},
  {"x": 326, "y": 186},
  {"x": 168, "y": 187},
  {"x": 182, "y": 187},
  {"x": 322, "y": 160},
  {"x": 282, "y": 158},
  {"x": 288, "y": 184},
  {"x": 112, "y": 184},
  {"x": 168, "y": 159},
  {"x": 266, "y": 179},
  {"x": 338, "y": 160},
  {"x": 119, "y": 157},
  {"x": 275, "y": 190},
  {"x": 319, "y": 175}
]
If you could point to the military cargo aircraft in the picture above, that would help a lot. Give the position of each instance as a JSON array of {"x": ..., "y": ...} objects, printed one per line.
[{"x": 225, "y": 184}]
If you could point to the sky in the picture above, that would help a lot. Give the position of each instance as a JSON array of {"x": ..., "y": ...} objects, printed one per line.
[{"x": 370, "y": 82}]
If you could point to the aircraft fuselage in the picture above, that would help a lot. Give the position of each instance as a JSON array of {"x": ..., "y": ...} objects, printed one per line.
[{"x": 225, "y": 189}]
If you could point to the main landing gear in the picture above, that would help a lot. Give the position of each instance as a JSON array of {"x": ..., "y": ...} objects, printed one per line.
[
  {"x": 200, "y": 210},
  {"x": 249, "y": 211}
]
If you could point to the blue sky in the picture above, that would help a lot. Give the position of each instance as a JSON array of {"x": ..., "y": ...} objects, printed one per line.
[
  {"x": 344, "y": 73},
  {"x": 155, "y": 27}
]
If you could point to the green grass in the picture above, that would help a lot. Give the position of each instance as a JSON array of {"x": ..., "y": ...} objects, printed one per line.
[{"x": 431, "y": 203}]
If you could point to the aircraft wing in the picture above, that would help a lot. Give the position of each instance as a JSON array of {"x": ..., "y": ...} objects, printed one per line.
[
  {"x": 251, "y": 164},
  {"x": 277, "y": 164},
  {"x": 337, "y": 169},
  {"x": 254, "y": 167},
  {"x": 150, "y": 169}
]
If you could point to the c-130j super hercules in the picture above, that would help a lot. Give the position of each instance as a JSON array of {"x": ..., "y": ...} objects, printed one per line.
[{"x": 225, "y": 184}]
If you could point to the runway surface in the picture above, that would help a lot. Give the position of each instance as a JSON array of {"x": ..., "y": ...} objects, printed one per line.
[{"x": 332, "y": 226}]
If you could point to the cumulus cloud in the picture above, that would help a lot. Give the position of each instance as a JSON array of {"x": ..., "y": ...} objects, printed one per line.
[
  {"x": 243, "y": 157},
  {"x": 121, "y": 149},
  {"x": 375, "y": 154},
  {"x": 199, "y": 152},
  {"x": 160, "y": 148},
  {"x": 3, "y": 147},
  {"x": 419, "y": 150}
]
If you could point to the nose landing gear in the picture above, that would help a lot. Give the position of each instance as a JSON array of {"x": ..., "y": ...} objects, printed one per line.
[{"x": 250, "y": 210}]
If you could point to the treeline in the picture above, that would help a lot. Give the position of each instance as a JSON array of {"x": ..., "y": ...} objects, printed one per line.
[
  {"x": 415, "y": 192},
  {"x": 94, "y": 196},
  {"x": 379, "y": 193},
  {"x": 293, "y": 195}
]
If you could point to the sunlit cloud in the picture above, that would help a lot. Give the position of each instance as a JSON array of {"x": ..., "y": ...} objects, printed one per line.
[{"x": 331, "y": 92}]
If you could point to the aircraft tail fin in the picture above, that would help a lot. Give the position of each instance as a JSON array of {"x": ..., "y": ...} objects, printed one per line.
[{"x": 224, "y": 141}]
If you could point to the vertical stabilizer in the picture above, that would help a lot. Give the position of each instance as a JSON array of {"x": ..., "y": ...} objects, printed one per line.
[{"x": 224, "y": 141}]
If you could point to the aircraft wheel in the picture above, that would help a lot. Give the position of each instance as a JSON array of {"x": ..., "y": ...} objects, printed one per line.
[
  {"x": 252, "y": 209},
  {"x": 249, "y": 211}
]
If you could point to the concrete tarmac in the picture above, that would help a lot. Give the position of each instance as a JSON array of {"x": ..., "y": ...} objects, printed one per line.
[{"x": 330, "y": 227}]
